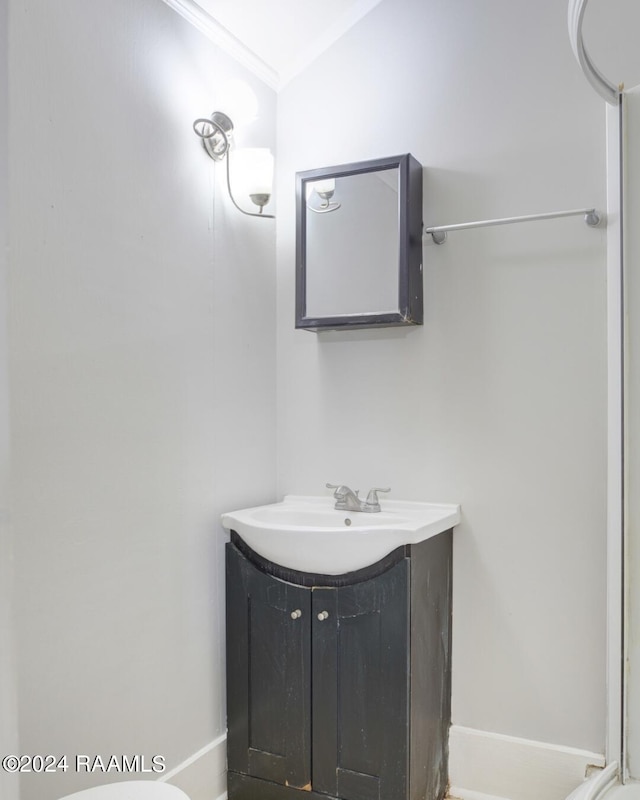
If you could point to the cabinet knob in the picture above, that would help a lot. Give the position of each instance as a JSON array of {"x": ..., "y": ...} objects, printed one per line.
[
  {"x": 296, "y": 614},
  {"x": 323, "y": 615}
]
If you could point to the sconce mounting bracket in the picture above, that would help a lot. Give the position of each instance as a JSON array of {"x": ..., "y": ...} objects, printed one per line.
[{"x": 216, "y": 133}]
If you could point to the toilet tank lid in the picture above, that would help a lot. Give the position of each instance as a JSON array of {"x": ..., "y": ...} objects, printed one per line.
[{"x": 130, "y": 790}]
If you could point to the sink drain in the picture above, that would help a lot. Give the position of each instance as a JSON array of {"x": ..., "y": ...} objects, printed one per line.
[{"x": 347, "y": 522}]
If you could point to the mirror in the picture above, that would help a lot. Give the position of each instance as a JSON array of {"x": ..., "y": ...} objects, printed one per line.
[{"x": 359, "y": 245}]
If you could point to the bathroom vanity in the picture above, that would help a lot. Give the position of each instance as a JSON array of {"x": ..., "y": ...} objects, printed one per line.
[{"x": 338, "y": 685}]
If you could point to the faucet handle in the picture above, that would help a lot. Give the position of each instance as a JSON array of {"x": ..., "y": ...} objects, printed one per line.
[
  {"x": 372, "y": 497},
  {"x": 340, "y": 489}
]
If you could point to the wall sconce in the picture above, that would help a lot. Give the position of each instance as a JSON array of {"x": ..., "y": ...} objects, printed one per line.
[
  {"x": 325, "y": 190},
  {"x": 255, "y": 164}
]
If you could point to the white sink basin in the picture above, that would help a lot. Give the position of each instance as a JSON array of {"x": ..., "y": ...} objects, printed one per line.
[{"x": 308, "y": 534}]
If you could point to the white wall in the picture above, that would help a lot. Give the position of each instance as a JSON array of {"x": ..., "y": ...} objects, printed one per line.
[
  {"x": 142, "y": 357},
  {"x": 143, "y": 351},
  {"x": 498, "y": 401},
  {"x": 8, "y": 698}
]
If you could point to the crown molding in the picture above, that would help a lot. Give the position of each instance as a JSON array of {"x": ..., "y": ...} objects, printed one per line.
[{"x": 220, "y": 36}]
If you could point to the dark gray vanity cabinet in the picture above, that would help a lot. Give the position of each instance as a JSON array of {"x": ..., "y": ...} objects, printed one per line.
[{"x": 339, "y": 686}]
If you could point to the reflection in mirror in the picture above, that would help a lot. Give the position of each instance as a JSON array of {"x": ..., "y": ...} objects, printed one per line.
[
  {"x": 324, "y": 191},
  {"x": 359, "y": 251},
  {"x": 352, "y": 254}
]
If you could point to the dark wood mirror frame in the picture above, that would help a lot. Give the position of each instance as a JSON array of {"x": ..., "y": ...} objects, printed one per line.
[{"x": 410, "y": 305}]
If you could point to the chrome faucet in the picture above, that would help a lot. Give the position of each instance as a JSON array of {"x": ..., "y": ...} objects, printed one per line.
[{"x": 348, "y": 500}]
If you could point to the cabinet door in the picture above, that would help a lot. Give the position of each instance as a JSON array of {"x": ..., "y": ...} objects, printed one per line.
[
  {"x": 360, "y": 690},
  {"x": 268, "y": 674}
]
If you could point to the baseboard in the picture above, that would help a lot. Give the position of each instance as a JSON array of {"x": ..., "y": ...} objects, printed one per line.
[
  {"x": 469, "y": 794},
  {"x": 482, "y": 766},
  {"x": 491, "y": 766},
  {"x": 202, "y": 776}
]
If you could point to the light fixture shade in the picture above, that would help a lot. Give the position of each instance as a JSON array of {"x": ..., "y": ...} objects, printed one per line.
[
  {"x": 324, "y": 187},
  {"x": 319, "y": 194},
  {"x": 253, "y": 171}
]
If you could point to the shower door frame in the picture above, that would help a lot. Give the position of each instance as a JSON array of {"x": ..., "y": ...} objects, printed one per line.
[{"x": 616, "y": 457}]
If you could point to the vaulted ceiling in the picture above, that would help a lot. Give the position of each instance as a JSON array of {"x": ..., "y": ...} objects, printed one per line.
[
  {"x": 285, "y": 35},
  {"x": 278, "y": 39}
]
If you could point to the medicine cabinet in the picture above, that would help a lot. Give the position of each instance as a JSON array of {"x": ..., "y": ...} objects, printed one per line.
[{"x": 359, "y": 245}]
